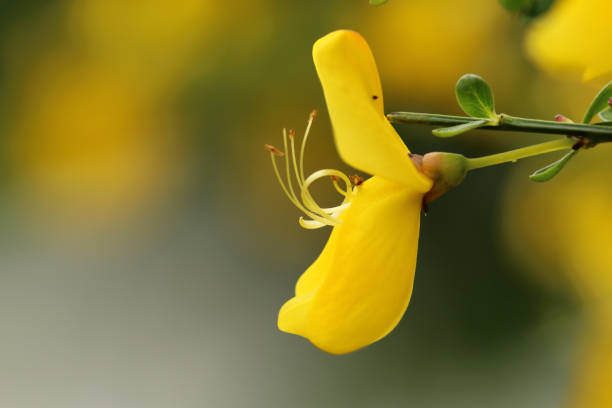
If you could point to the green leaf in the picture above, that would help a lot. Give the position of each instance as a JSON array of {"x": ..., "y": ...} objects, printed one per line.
[
  {"x": 377, "y": 2},
  {"x": 550, "y": 171},
  {"x": 527, "y": 8},
  {"x": 475, "y": 97},
  {"x": 599, "y": 103},
  {"x": 606, "y": 115},
  {"x": 458, "y": 129}
]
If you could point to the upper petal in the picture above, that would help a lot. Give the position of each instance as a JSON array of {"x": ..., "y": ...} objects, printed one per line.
[
  {"x": 364, "y": 137},
  {"x": 359, "y": 287}
]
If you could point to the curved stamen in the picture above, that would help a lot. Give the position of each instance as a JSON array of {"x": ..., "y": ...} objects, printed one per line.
[
  {"x": 319, "y": 216},
  {"x": 310, "y": 224},
  {"x": 311, "y": 119},
  {"x": 292, "y": 198},
  {"x": 338, "y": 188},
  {"x": 307, "y": 197},
  {"x": 298, "y": 175}
]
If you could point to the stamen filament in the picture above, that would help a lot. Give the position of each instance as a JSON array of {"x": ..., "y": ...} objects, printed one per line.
[
  {"x": 298, "y": 175},
  {"x": 310, "y": 224},
  {"x": 338, "y": 188},
  {"x": 307, "y": 198},
  {"x": 287, "y": 168},
  {"x": 319, "y": 217},
  {"x": 291, "y": 198},
  {"x": 311, "y": 119}
]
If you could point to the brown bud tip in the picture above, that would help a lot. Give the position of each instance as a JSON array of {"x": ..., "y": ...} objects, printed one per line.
[
  {"x": 356, "y": 180},
  {"x": 562, "y": 118},
  {"x": 425, "y": 206},
  {"x": 417, "y": 159},
  {"x": 274, "y": 150},
  {"x": 313, "y": 114}
]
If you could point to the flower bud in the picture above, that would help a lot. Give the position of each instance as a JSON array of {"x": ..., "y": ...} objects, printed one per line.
[
  {"x": 447, "y": 170},
  {"x": 563, "y": 119}
]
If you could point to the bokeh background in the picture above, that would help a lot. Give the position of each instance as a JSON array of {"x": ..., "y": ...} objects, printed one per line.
[{"x": 146, "y": 246}]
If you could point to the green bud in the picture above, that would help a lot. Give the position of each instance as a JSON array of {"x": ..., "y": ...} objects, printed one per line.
[{"x": 447, "y": 170}]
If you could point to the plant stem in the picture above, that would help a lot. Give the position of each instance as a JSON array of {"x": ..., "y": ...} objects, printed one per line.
[
  {"x": 596, "y": 133},
  {"x": 514, "y": 155}
]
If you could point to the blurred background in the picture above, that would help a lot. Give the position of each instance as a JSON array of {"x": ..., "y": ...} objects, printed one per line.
[{"x": 147, "y": 246}]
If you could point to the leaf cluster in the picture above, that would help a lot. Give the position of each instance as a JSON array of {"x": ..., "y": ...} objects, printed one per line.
[{"x": 476, "y": 99}]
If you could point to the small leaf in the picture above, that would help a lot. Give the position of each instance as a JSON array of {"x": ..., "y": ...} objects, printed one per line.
[
  {"x": 462, "y": 128},
  {"x": 606, "y": 115},
  {"x": 527, "y": 8},
  {"x": 550, "y": 171},
  {"x": 599, "y": 103},
  {"x": 377, "y": 2},
  {"x": 475, "y": 97}
]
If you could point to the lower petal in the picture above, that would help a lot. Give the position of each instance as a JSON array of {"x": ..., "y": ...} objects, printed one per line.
[
  {"x": 293, "y": 316},
  {"x": 359, "y": 288}
]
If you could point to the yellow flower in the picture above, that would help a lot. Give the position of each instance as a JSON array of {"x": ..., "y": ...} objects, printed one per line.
[
  {"x": 573, "y": 36},
  {"x": 359, "y": 287}
]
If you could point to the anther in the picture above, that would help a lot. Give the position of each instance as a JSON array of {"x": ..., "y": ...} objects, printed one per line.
[
  {"x": 313, "y": 114},
  {"x": 334, "y": 178},
  {"x": 291, "y": 133},
  {"x": 356, "y": 180},
  {"x": 274, "y": 150}
]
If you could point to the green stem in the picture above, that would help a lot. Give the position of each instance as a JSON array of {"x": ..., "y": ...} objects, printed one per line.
[
  {"x": 514, "y": 155},
  {"x": 596, "y": 133}
]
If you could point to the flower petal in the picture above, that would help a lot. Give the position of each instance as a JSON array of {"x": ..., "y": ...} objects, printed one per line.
[
  {"x": 293, "y": 316},
  {"x": 364, "y": 137},
  {"x": 358, "y": 289}
]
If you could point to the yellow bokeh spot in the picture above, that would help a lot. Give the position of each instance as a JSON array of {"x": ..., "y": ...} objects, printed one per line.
[
  {"x": 563, "y": 228},
  {"x": 574, "y": 37},
  {"x": 427, "y": 45},
  {"x": 84, "y": 141}
]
